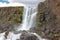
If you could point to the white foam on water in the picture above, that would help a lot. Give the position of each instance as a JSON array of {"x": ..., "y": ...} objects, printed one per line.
[
  {"x": 2, "y": 36},
  {"x": 12, "y": 36}
]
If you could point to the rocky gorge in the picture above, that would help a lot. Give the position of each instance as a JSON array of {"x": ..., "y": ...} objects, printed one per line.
[{"x": 47, "y": 20}]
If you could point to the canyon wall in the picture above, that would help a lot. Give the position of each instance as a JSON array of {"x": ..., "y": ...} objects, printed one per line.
[{"x": 48, "y": 19}]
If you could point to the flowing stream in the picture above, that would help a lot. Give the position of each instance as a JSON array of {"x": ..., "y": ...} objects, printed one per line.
[{"x": 29, "y": 18}]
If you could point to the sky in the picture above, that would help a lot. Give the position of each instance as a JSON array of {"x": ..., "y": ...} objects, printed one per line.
[
  {"x": 27, "y": 2},
  {"x": 4, "y": 1}
]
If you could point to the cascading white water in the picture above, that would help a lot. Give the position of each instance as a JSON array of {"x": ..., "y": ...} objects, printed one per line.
[
  {"x": 2, "y": 36},
  {"x": 38, "y": 36},
  {"x": 29, "y": 17},
  {"x": 12, "y": 36}
]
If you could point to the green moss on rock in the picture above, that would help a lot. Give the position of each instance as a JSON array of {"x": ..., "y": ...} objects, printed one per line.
[
  {"x": 9, "y": 17},
  {"x": 41, "y": 14},
  {"x": 12, "y": 15}
]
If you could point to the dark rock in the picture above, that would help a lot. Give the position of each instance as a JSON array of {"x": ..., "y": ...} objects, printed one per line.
[
  {"x": 56, "y": 38},
  {"x": 28, "y": 37},
  {"x": 6, "y": 27}
]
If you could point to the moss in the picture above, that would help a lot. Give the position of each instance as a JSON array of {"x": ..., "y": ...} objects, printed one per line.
[
  {"x": 12, "y": 15},
  {"x": 41, "y": 14},
  {"x": 40, "y": 22}
]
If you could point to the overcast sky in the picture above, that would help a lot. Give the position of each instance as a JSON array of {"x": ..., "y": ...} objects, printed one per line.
[
  {"x": 28, "y": 2},
  {"x": 22, "y": 1}
]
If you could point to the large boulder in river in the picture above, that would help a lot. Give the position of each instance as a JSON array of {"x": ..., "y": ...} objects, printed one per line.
[{"x": 28, "y": 36}]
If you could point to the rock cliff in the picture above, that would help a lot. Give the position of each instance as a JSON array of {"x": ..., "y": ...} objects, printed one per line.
[
  {"x": 54, "y": 8},
  {"x": 49, "y": 19},
  {"x": 10, "y": 16}
]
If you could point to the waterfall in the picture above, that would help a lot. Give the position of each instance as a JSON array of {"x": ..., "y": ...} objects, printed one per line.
[{"x": 29, "y": 18}]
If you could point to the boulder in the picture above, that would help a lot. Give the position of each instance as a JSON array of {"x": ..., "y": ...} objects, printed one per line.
[{"x": 28, "y": 36}]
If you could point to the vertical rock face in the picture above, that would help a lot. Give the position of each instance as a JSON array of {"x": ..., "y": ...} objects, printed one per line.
[
  {"x": 49, "y": 19},
  {"x": 10, "y": 16},
  {"x": 53, "y": 7}
]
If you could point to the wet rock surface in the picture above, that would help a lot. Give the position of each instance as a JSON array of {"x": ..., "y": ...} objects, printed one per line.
[{"x": 28, "y": 37}]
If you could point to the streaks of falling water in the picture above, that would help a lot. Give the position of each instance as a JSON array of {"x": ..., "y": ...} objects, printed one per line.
[{"x": 29, "y": 18}]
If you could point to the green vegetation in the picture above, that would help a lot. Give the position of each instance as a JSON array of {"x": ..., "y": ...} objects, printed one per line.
[
  {"x": 12, "y": 15},
  {"x": 41, "y": 14},
  {"x": 40, "y": 22}
]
